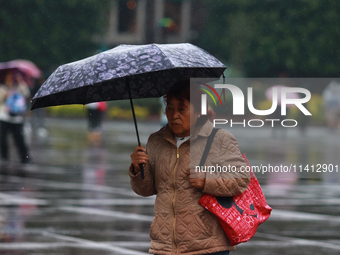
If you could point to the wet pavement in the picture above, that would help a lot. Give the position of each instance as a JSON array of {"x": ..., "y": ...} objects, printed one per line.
[{"x": 75, "y": 198}]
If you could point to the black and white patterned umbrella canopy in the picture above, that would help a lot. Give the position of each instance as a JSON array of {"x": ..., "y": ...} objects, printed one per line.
[{"x": 150, "y": 71}]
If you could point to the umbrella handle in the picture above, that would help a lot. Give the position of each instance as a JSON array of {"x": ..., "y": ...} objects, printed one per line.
[
  {"x": 138, "y": 140},
  {"x": 135, "y": 121},
  {"x": 141, "y": 170}
]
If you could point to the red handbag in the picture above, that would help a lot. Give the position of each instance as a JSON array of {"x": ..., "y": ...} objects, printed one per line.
[{"x": 240, "y": 215}]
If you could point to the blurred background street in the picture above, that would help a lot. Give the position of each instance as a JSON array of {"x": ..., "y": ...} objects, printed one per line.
[{"x": 75, "y": 198}]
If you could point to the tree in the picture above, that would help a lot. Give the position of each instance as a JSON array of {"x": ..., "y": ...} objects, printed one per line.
[
  {"x": 49, "y": 33},
  {"x": 267, "y": 38}
]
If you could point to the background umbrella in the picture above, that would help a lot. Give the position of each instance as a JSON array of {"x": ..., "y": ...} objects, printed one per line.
[
  {"x": 126, "y": 72},
  {"x": 27, "y": 68}
]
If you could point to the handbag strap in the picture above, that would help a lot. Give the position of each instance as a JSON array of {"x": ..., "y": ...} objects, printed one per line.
[{"x": 208, "y": 145}]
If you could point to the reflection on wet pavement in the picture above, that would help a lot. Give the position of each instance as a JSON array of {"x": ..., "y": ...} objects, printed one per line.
[{"x": 76, "y": 199}]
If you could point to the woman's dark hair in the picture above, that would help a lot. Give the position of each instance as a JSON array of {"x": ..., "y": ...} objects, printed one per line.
[
  {"x": 5, "y": 73},
  {"x": 182, "y": 91}
]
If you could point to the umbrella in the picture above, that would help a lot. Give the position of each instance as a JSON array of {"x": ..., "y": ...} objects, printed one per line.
[
  {"x": 27, "y": 68},
  {"x": 126, "y": 72}
]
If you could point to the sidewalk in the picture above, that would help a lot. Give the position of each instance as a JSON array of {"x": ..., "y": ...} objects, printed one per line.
[{"x": 76, "y": 199}]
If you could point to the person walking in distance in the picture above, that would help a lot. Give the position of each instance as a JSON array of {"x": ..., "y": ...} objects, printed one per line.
[{"x": 13, "y": 95}]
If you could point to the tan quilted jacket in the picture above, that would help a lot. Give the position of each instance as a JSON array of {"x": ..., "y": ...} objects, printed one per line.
[{"x": 181, "y": 225}]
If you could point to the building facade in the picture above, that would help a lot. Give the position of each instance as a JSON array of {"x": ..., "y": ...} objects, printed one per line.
[{"x": 150, "y": 21}]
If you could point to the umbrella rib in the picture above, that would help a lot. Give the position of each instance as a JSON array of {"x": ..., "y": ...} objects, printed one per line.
[
  {"x": 93, "y": 67},
  {"x": 164, "y": 55},
  {"x": 211, "y": 55}
]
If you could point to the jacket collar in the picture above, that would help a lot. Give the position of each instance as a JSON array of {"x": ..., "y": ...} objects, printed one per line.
[
  {"x": 169, "y": 135},
  {"x": 203, "y": 130}
]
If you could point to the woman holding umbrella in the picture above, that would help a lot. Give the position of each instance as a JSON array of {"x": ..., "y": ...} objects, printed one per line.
[{"x": 181, "y": 225}]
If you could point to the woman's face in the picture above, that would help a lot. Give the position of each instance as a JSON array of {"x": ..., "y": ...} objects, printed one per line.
[
  {"x": 8, "y": 79},
  {"x": 181, "y": 116}
]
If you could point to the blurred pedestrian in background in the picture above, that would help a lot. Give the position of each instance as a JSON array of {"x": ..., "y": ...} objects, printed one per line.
[
  {"x": 95, "y": 115},
  {"x": 13, "y": 95},
  {"x": 331, "y": 101}
]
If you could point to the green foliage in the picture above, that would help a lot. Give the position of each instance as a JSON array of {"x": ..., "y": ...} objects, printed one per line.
[
  {"x": 117, "y": 113},
  {"x": 117, "y": 109},
  {"x": 49, "y": 33},
  {"x": 67, "y": 111},
  {"x": 153, "y": 105},
  {"x": 268, "y": 38}
]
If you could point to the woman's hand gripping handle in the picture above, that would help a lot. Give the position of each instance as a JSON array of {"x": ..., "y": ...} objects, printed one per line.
[{"x": 139, "y": 158}]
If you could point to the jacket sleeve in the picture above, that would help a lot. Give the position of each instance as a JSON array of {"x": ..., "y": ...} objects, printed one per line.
[
  {"x": 144, "y": 187},
  {"x": 235, "y": 180}
]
